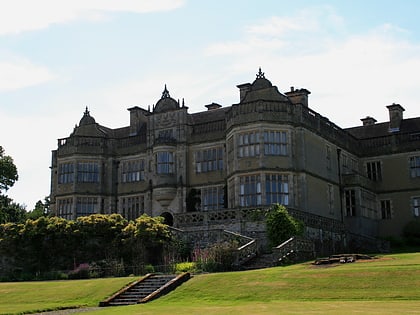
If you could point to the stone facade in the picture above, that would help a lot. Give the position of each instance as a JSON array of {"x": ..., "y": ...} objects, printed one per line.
[{"x": 268, "y": 148}]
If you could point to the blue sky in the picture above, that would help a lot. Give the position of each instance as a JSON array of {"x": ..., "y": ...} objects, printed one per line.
[{"x": 56, "y": 57}]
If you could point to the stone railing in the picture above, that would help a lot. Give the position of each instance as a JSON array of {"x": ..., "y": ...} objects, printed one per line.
[
  {"x": 226, "y": 216},
  {"x": 294, "y": 245},
  {"x": 246, "y": 252}
]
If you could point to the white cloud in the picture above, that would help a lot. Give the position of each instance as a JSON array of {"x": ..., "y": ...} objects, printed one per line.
[
  {"x": 22, "y": 15},
  {"x": 19, "y": 73},
  {"x": 350, "y": 76}
]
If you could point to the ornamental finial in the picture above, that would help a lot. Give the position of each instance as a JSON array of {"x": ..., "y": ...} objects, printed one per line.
[
  {"x": 260, "y": 74},
  {"x": 165, "y": 93},
  {"x": 86, "y": 113}
]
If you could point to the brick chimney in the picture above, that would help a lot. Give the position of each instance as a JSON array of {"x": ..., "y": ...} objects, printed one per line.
[
  {"x": 299, "y": 96},
  {"x": 368, "y": 121},
  {"x": 395, "y": 116}
]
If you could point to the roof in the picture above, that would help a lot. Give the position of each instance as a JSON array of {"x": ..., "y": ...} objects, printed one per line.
[{"x": 411, "y": 125}]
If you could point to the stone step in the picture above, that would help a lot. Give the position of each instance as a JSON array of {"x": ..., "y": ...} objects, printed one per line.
[{"x": 142, "y": 289}]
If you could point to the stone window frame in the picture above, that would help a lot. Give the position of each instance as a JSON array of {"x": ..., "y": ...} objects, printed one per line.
[
  {"x": 250, "y": 190},
  {"x": 65, "y": 208},
  {"x": 386, "y": 209},
  {"x": 212, "y": 197},
  {"x": 414, "y": 166},
  {"x": 132, "y": 206},
  {"x": 415, "y": 206},
  {"x": 209, "y": 160},
  {"x": 280, "y": 192},
  {"x": 249, "y": 144},
  {"x": 275, "y": 142},
  {"x": 86, "y": 205},
  {"x": 133, "y": 171},
  {"x": 350, "y": 202},
  {"x": 66, "y": 172},
  {"x": 165, "y": 163},
  {"x": 87, "y": 171},
  {"x": 374, "y": 170}
]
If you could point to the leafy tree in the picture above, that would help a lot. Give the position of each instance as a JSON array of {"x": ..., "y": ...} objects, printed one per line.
[
  {"x": 281, "y": 225},
  {"x": 41, "y": 209},
  {"x": 11, "y": 211},
  {"x": 8, "y": 171}
]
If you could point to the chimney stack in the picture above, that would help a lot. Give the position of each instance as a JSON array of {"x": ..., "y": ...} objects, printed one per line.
[
  {"x": 243, "y": 89},
  {"x": 298, "y": 96},
  {"x": 395, "y": 116},
  {"x": 213, "y": 106},
  {"x": 368, "y": 121}
]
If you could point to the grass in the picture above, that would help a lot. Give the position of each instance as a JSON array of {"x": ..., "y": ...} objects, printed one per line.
[
  {"x": 25, "y": 297},
  {"x": 390, "y": 285}
]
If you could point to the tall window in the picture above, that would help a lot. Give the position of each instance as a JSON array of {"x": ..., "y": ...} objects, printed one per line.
[
  {"x": 275, "y": 143},
  {"x": 277, "y": 189},
  {"x": 250, "y": 191},
  {"x": 165, "y": 163},
  {"x": 66, "y": 173},
  {"x": 330, "y": 197},
  {"x": 132, "y": 171},
  {"x": 416, "y": 207},
  {"x": 65, "y": 208},
  {"x": 249, "y": 144},
  {"x": 86, "y": 206},
  {"x": 368, "y": 204},
  {"x": 132, "y": 207},
  {"x": 328, "y": 156},
  {"x": 415, "y": 166},
  {"x": 350, "y": 198},
  {"x": 209, "y": 160},
  {"x": 87, "y": 172},
  {"x": 373, "y": 170},
  {"x": 212, "y": 198},
  {"x": 386, "y": 209}
]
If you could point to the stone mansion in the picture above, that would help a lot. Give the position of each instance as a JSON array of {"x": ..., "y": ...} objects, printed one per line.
[{"x": 268, "y": 148}]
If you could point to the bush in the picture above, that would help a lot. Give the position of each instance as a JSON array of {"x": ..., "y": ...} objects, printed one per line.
[
  {"x": 218, "y": 257},
  {"x": 81, "y": 272},
  {"x": 412, "y": 233},
  {"x": 281, "y": 225},
  {"x": 185, "y": 267},
  {"x": 149, "y": 269}
]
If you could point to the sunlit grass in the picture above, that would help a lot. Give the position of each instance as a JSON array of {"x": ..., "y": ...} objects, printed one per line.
[{"x": 389, "y": 285}]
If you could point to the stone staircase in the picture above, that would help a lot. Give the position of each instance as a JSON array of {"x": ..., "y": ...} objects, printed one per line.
[
  {"x": 259, "y": 262},
  {"x": 146, "y": 289}
]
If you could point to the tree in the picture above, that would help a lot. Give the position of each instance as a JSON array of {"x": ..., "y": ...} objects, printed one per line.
[
  {"x": 8, "y": 171},
  {"x": 11, "y": 211},
  {"x": 41, "y": 209},
  {"x": 281, "y": 225}
]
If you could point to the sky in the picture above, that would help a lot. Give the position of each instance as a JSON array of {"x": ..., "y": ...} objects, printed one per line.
[{"x": 57, "y": 57}]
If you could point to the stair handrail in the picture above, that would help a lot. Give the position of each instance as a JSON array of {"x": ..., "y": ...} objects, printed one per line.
[
  {"x": 246, "y": 252},
  {"x": 293, "y": 244}
]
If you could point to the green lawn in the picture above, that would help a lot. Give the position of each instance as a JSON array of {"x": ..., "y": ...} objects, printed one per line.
[{"x": 390, "y": 285}]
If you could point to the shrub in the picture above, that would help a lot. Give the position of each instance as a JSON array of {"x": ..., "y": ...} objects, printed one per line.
[
  {"x": 185, "y": 267},
  {"x": 81, "y": 272},
  {"x": 149, "y": 269},
  {"x": 218, "y": 257},
  {"x": 412, "y": 232},
  {"x": 281, "y": 225}
]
